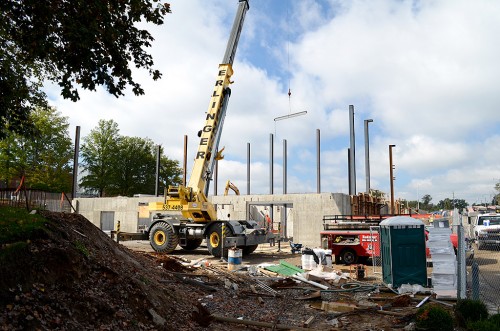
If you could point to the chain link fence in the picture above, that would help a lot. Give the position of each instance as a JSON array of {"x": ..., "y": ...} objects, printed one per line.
[
  {"x": 483, "y": 267},
  {"x": 477, "y": 266},
  {"x": 36, "y": 199}
]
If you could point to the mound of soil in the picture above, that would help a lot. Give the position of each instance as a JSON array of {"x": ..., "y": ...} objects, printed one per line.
[{"x": 74, "y": 277}]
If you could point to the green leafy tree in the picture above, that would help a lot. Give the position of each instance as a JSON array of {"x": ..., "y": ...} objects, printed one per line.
[
  {"x": 100, "y": 155},
  {"x": 121, "y": 165},
  {"x": 74, "y": 43},
  {"x": 170, "y": 173},
  {"x": 43, "y": 157},
  {"x": 135, "y": 170}
]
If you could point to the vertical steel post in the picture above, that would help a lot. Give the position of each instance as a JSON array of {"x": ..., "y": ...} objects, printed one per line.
[
  {"x": 349, "y": 169},
  {"x": 284, "y": 166},
  {"x": 318, "y": 161},
  {"x": 392, "y": 178},
  {"x": 475, "y": 281},
  {"x": 271, "y": 164},
  {"x": 75, "y": 163},
  {"x": 216, "y": 175},
  {"x": 367, "y": 156},
  {"x": 184, "y": 166},
  {"x": 352, "y": 155},
  {"x": 248, "y": 168},
  {"x": 158, "y": 158}
]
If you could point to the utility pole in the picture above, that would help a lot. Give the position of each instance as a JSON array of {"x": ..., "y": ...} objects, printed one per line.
[{"x": 392, "y": 179}]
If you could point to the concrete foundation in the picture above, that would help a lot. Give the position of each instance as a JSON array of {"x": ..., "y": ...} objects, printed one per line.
[{"x": 296, "y": 217}]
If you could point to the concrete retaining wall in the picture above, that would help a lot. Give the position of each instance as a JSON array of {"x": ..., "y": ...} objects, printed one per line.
[{"x": 300, "y": 215}]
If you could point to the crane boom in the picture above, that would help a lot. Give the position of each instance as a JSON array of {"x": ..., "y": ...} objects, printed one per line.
[{"x": 192, "y": 199}]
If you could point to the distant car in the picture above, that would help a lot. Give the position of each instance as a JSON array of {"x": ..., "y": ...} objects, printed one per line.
[{"x": 485, "y": 229}]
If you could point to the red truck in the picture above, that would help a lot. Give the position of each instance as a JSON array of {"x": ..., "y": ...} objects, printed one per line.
[{"x": 354, "y": 239}]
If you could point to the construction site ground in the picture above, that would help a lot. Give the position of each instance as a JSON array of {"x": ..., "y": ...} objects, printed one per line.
[{"x": 75, "y": 277}]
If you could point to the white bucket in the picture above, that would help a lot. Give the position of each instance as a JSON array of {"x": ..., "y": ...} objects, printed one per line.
[
  {"x": 308, "y": 262},
  {"x": 234, "y": 259},
  {"x": 328, "y": 257}
]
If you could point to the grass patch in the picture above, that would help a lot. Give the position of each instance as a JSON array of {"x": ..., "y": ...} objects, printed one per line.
[
  {"x": 81, "y": 248},
  {"x": 13, "y": 251},
  {"x": 16, "y": 224}
]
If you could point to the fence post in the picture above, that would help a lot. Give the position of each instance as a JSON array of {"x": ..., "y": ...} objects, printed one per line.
[
  {"x": 461, "y": 272},
  {"x": 475, "y": 281},
  {"x": 118, "y": 232}
]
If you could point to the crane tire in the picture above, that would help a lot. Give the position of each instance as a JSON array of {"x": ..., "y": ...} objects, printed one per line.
[
  {"x": 349, "y": 256},
  {"x": 163, "y": 238},
  {"x": 214, "y": 240},
  {"x": 248, "y": 249},
  {"x": 192, "y": 244}
]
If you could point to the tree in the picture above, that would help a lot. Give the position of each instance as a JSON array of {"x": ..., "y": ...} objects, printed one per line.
[
  {"x": 135, "y": 170},
  {"x": 100, "y": 155},
  {"x": 75, "y": 43},
  {"x": 170, "y": 173},
  {"x": 449, "y": 204},
  {"x": 43, "y": 157},
  {"x": 426, "y": 199},
  {"x": 121, "y": 165}
]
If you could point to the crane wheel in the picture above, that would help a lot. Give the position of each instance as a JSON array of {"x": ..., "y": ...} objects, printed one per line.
[
  {"x": 214, "y": 240},
  {"x": 248, "y": 249},
  {"x": 192, "y": 244},
  {"x": 163, "y": 238},
  {"x": 349, "y": 256}
]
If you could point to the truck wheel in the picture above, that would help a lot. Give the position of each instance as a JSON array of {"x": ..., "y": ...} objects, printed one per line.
[
  {"x": 163, "y": 238},
  {"x": 349, "y": 256},
  {"x": 337, "y": 259},
  {"x": 192, "y": 244},
  {"x": 214, "y": 240},
  {"x": 248, "y": 249}
]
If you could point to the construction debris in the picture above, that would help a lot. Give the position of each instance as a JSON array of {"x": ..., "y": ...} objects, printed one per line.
[{"x": 99, "y": 284}]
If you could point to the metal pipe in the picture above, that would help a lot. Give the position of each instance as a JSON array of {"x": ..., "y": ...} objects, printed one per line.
[
  {"x": 392, "y": 178},
  {"x": 216, "y": 175},
  {"x": 271, "y": 164},
  {"x": 367, "y": 156},
  {"x": 318, "y": 161},
  {"x": 248, "y": 168},
  {"x": 158, "y": 159},
  {"x": 349, "y": 169},
  {"x": 284, "y": 166},
  {"x": 75, "y": 163},
  {"x": 184, "y": 164},
  {"x": 352, "y": 156}
]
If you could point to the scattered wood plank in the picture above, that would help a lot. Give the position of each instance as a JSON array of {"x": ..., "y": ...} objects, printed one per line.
[
  {"x": 257, "y": 323},
  {"x": 308, "y": 322}
]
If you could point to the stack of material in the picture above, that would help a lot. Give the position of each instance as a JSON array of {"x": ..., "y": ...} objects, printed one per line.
[{"x": 444, "y": 263}]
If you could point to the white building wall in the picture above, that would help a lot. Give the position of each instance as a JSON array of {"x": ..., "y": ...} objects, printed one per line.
[{"x": 304, "y": 220}]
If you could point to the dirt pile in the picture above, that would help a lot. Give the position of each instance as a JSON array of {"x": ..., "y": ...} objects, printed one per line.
[
  {"x": 72, "y": 276},
  {"x": 75, "y": 277}
]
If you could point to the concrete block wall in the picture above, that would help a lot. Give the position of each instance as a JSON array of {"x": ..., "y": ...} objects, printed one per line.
[
  {"x": 126, "y": 210},
  {"x": 307, "y": 213},
  {"x": 305, "y": 218}
]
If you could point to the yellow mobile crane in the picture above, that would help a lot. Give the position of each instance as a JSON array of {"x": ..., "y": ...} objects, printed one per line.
[{"x": 186, "y": 217}]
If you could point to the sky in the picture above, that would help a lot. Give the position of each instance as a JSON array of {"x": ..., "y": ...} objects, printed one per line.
[{"x": 426, "y": 72}]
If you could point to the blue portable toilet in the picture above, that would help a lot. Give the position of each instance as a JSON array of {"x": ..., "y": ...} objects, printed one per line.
[{"x": 402, "y": 245}]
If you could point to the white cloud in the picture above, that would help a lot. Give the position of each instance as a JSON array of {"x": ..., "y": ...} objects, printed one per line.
[{"x": 426, "y": 72}]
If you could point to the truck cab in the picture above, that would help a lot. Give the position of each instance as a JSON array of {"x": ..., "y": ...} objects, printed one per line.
[{"x": 485, "y": 229}]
